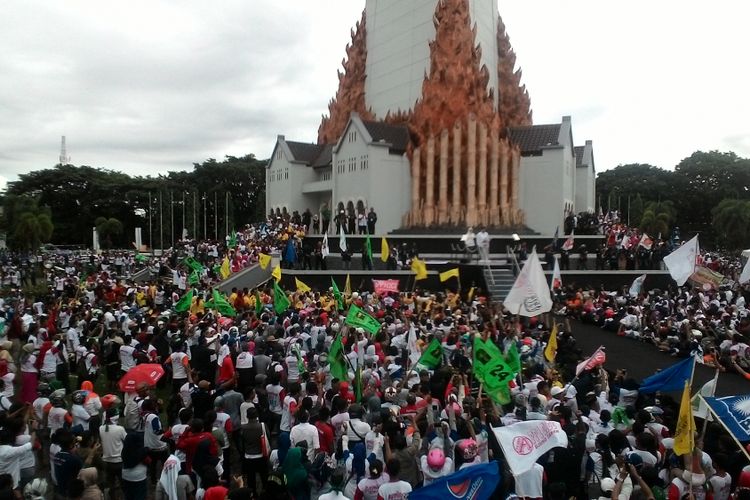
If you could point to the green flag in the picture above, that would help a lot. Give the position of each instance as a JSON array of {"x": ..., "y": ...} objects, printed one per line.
[
  {"x": 358, "y": 318},
  {"x": 139, "y": 257},
  {"x": 513, "y": 359},
  {"x": 222, "y": 305},
  {"x": 193, "y": 264},
  {"x": 432, "y": 356},
  {"x": 336, "y": 360},
  {"x": 300, "y": 362},
  {"x": 368, "y": 248},
  {"x": 492, "y": 370},
  {"x": 185, "y": 301},
  {"x": 258, "y": 303},
  {"x": 232, "y": 240},
  {"x": 280, "y": 300},
  {"x": 194, "y": 279},
  {"x": 337, "y": 295}
]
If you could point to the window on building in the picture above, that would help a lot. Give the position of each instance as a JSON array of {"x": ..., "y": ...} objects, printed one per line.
[
  {"x": 278, "y": 154},
  {"x": 352, "y": 136},
  {"x": 286, "y": 174},
  {"x": 326, "y": 176},
  {"x": 340, "y": 167},
  {"x": 352, "y": 164},
  {"x": 363, "y": 163}
]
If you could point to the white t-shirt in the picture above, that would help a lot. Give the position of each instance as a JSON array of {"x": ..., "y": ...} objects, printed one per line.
[
  {"x": 721, "y": 486},
  {"x": 274, "y": 398},
  {"x": 529, "y": 483},
  {"x": 179, "y": 371},
  {"x": 308, "y": 433},
  {"x": 112, "y": 442},
  {"x": 126, "y": 357},
  {"x": 396, "y": 490},
  {"x": 286, "y": 414},
  {"x": 80, "y": 416},
  {"x": 292, "y": 366}
]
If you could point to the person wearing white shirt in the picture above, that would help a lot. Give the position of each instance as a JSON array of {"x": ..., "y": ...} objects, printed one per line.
[
  {"x": 305, "y": 432},
  {"x": 10, "y": 456}
]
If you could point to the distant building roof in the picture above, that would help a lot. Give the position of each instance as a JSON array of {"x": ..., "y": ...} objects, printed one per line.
[
  {"x": 395, "y": 135},
  {"x": 325, "y": 157},
  {"x": 532, "y": 139},
  {"x": 305, "y": 152},
  {"x": 578, "y": 151}
]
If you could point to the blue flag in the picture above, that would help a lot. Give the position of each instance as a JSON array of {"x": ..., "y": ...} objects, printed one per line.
[
  {"x": 734, "y": 413},
  {"x": 290, "y": 253},
  {"x": 477, "y": 482},
  {"x": 670, "y": 379}
]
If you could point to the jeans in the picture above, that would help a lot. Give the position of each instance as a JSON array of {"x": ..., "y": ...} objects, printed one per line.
[{"x": 135, "y": 490}]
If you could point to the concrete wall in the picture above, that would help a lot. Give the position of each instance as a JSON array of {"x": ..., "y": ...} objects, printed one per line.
[
  {"x": 398, "y": 52},
  {"x": 540, "y": 194},
  {"x": 584, "y": 189},
  {"x": 284, "y": 181}
]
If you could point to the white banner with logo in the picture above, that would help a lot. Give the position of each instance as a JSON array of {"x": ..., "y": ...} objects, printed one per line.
[
  {"x": 530, "y": 293},
  {"x": 524, "y": 442}
]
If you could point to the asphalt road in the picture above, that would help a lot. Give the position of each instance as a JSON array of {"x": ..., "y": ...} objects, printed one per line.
[{"x": 642, "y": 360}]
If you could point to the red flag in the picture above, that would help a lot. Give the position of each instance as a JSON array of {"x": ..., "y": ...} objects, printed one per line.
[
  {"x": 646, "y": 242},
  {"x": 568, "y": 245},
  {"x": 596, "y": 359}
]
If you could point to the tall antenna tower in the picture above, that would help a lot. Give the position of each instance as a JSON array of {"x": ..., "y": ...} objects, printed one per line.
[{"x": 64, "y": 158}]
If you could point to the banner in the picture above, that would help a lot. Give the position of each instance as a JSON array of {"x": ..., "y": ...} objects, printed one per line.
[
  {"x": 385, "y": 286},
  {"x": 681, "y": 262},
  {"x": 222, "y": 305},
  {"x": 280, "y": 300},
  {"x": 185, "y": 301},
  {"x": 491, "y": 368},
  {"x": 477, "y": 482},
  {"x": 734, "y": 414},
  {"x": 446, "y": 275},
  {"x": 358, "y": 318},
  {"x": 670, "y": 379},
  {"x": 706, "y": 279},
  {"x": 336, "y": 360},
  {"x": 637, "y": 286},
  {"x": 530, "y": 294},
  {"x": 596, "y": 359},
  {"x": 524, "y": 442},
  {"x": 432, "y": 356}
]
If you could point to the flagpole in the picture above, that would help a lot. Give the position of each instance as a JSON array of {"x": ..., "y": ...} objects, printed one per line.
[
  {"x": 705, "y": 420},
  {"x": 737, "y": 441}
]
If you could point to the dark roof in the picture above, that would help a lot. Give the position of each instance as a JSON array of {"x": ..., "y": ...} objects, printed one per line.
[
  {"x": 325, "y": 157},
  {"x": 578, "y": 151},
  {"x": 395, "y": 135},
  {"x": 305, "y": 152},
  {"x": 533, "y": 138}
]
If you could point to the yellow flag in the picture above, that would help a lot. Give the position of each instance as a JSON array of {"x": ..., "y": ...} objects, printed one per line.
[
  {"x": 225, "y": 270},
  {"x": 445, "y": 276},
  {"x": 551, "y": 350},
  {"x": 277, "y": 273},
  {"x": 348, "y": 286},
  {"x": 301, "y": 287},
  {"x": 684, "y": 436},
  {"x": 419, "y": 268},
  {"x": 264, "y": 260},
  {"x": 471, "y": 293},
  {"x": 385, "y": 250}
]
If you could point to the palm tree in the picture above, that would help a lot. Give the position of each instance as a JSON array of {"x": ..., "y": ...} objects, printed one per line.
[
  {"x": 730, "y": 219},
  {"x": 107, "y": 229},
  {"x": 31, "y": 230},
  {"x": 658, "y": 217}
]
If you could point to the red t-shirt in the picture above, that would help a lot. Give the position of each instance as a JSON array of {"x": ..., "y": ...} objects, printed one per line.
[
  {"x": 226, "y": 370},
  {"x": 216, "y": 493},
  {"x": 326, "y": 435}
]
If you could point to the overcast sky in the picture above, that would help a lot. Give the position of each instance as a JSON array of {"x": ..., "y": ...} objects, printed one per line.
[{"x": 151, "y": 86}]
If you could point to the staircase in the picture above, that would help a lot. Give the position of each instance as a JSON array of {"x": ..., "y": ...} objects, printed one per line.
[{"x": 499, "y": 281}]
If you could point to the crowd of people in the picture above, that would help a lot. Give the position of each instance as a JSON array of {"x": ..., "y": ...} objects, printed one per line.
[{"x": 252, "y": 404}]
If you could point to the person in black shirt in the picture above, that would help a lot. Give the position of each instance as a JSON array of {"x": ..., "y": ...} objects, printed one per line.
[
  {"x": 200, "y": 360},
  {"x": 66, "y": 463}
]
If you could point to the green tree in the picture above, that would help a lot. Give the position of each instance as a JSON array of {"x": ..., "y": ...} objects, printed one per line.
[
  {"x": 731, "y": 221},
  {"x": 107, "y": 229},
  {"x": 26, "y": 223},
  {"x": 635, "y": 213},
  {"x": 650, "y": 182},
  {"x": 657, "y": 218}
]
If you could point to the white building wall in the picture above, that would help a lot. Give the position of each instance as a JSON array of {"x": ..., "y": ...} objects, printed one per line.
[
  {"x": 398, "y": 52},
  {"x": 584, "y": 190},
  {"x": 540, "y": 194},
  {"x": 284, "y": 181}
]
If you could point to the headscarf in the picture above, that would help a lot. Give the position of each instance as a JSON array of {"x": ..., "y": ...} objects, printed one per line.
[
  {"x": 293, "y": 469},
  {"x": 169, "y": 475},
  {"x": 284, "y": 443}
]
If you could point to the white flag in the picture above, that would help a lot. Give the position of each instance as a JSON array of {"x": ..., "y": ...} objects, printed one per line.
[
  {"x": 635, "y": 288},
  {"x": 324, "y": 250},
  {"x": 524, "y": 442},
  {"x": 568, "y": 245},
  {"x": 530, "y": 294},
  {"x": 411, "y": 343},
  {"x": 681, "y": 262},
  {"x": 700, "y": 408},
  {"x": 556, "y": 277},
  {"x": 342, "y": 240},
  {"x": 745, "y": 275}
]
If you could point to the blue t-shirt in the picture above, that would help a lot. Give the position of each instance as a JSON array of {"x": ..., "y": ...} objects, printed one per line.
[{"x": 67, "y": 466}]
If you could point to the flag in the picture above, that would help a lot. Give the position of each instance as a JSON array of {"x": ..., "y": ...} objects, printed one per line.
[
  {"x": 556, "y": 277},
  {"x": 568, "y": 245},
  {"x": 139, "y": 257},
  {"x": 684, "y": 436},
  {"x": 300, "y": 361},
  {"x": 625, "y": 244},
  {"x": 550, "y": 351},
  {"x": 524, "y": 442},
  {"x": 411, "y": 344},
  {"x": 477, "y": 482},
  {"x": 681, "y": 262},
  {"x": 385, "y": 250},
  {"x": 670, "y": 379},
  {"x": 280, "y": 300},
  {"x": 734, "y": 414},
  {"x": 185, "y": 301},
  {"x": 385, "y": 286},
  {"x": 277, "y": 273},
  {"x": 745, "y": 275},
  {"x": 348, "y": 286},
  {"x": 301, "y": 287},
  {"x": 470, "y": 295},
  {"x": 646, "y": 242},
  {"x": 358, "y": 318},
  {"x": 258, "y": 303},
  {"x": 194, "y": 279},
  {"x": 432, "y": 356},
  {"x": 336, "y": 360},
  {"x": 513, "y": 359},
  {"x": 342, "y": 239},
  {"x": 225, "y": 269},
  {"x": 324, "y": 247},
  {"x": 635, "y": 288},
  {"x": 368, "y": 247},
  {"x": 337, "y": 295},
  {"x": 264, "y": 260},
  {"x": 232, "y": 240},
  {"x": 492, "y": 370},
  {"x": 530, "y": 294},
  {"x": 555, "y": 238},
  {"x": 446, "y": 275},
  {"x": 221, "y": 304},
  {"x": 193, "y": 264},
  {"x": 596, "y": 359},
  {"x": 700, "y": 409},
  {"x": 419, "y": 268}
]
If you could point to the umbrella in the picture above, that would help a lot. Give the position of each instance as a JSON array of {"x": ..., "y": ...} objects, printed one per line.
[{"x": 148, "y": 374}]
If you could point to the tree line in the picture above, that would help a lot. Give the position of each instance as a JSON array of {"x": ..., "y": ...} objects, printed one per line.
[
  {"x": 706, "y": 193},
  {"x": 61, "y": 205}
]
